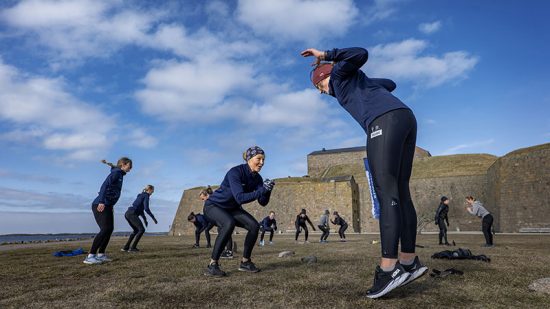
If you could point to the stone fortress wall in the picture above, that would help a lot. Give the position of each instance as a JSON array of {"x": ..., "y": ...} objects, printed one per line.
[{"x": 515, "y": 188}]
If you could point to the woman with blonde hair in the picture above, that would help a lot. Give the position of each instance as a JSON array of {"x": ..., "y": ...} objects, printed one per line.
[{"x": 138, "y": 209}]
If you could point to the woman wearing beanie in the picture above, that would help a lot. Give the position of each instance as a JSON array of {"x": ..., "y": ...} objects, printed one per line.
[
  {"x": 440, "y": 218},
  {"x": 390, "y": 126},
  {"x": 300, "y": 224},
  {"x": 241, "y": 185}
]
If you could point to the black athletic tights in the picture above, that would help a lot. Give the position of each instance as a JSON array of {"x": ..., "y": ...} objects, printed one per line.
[
  {"x": 106, "y": 223},
  {"x": 206, "y": 229},
  {"x": 298, "y": 230},
  {"x": 226, "y": 220},
  {"x": 325, "y": 231},
  {"x": 267, "y": 229},
  {"x": 342, "y": 230},
  {"x": 442, "y": 231},
  {"x": 390, "y": 150},
  {"x": 138, "y": 229},
  {"x": 486, "y": 224}
]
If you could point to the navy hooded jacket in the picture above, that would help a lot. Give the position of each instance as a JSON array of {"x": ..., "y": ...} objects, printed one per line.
[
  {"x": 111, "y": 188},
  {"x": 363, "y": 97},
  {"x": 268, "y": 222},
  {"x": 201, "y": 222},
  {"x": 141, "y": 206},
  {"x": 240, "y": 186}
]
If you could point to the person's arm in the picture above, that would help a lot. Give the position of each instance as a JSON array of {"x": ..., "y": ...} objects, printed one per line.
[
  {"x": 236, "y": 188},
  {"x": 274, "y": 224},
  {"x": 386, "y": 83},
  {"x": 147, "y": 209},
  {"x": 264, "y": 198},
  {"x": 437, "y": 213},
  {"x": 470, "y": 210},
  {"x": 309, "y": 221},
  {"x": 347, "y": 60}
]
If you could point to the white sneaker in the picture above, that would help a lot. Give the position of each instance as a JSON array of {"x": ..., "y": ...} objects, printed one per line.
[
  {"x": 270, "y": 243},
  {"x": 92, "y": 260},
  {"x": 103, "y": 258},
  {"x": 261, "y": 243}
]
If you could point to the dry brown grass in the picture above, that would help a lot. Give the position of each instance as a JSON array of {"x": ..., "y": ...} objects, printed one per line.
[{"x": 169, "y": 274}]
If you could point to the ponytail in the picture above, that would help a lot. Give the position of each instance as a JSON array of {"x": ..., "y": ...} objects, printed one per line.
[
  {"x": 108, "y": 163},
  {"x": 122, "y": 161}
]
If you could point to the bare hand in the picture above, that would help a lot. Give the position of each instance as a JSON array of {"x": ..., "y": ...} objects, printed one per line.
[
  {"x": 319, "y": 55},
  {"x": 100, "y": 207}
]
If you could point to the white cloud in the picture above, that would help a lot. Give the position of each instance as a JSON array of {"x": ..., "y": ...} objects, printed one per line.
[
  {"x": 43, "y": 110},
  {"x": 298, "y": 20},
  {"x": 429, "y": 28},
  {"x": 475, "y": 145},
  {"x": 77, "y": 29},
  {"x": 192, "y": 91},
  {"x": 380, "y": 10},
  {"x": 140, "y": 138},
  {"x": 403, "y": 60}
]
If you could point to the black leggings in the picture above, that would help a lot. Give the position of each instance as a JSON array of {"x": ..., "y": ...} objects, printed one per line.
[
  {"x": 268, "y": 229},
  {"x": 298, "y": 231},
  {"x": 226, "y": 220},
  {"x": 206, "y": 231},
  {"x": 105, "y": 221},
  {"x": 341, "y": 231},
  {"x": 229, "y": 245},
  {"x": 390, "y": 150},
  {"x": 138, "y": 228},
  {"x": 442, "y": 231},
  {"x": 486, "y": 224},
  {"x": 325, "y": 231}
]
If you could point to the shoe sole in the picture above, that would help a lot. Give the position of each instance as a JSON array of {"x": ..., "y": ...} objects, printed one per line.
[
  {"x": 415, "y": 275},
  {"x": 91, "y": 263},
  {"x": 391, "y": 286},
  {"x": 226, "y": 257},
  {"x": 249, "y": 271},
  {"x": 207, "y": 274}
]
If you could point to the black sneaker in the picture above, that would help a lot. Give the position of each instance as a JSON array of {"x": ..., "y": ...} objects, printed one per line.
[
  {"x": 487, "y": 246},
  {"x": 416, "y": 269},
  {"x": 208, "y": 246},
  {"x": 227, "y": 254},
  {"x": 248, "y": 267},
  {"x": 384, "y": 281},
  {"x": 134, "y": 250},
  {"x": 214, "y": 270},
  {"x": 196, "y": 246}
]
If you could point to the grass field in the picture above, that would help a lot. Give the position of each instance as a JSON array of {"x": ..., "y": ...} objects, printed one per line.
[{"x": 167, "y": 274}]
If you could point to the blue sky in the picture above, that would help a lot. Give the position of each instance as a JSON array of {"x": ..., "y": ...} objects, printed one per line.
[{"x": 184, "y": 87}]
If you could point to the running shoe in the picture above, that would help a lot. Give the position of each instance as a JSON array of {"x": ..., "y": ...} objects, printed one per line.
[
  {"x": 227, "y": 254},
  {"x": 124, "y": 249},
  {"x": 208, "y": 246},
  {"x": 90, "y": 260},
  {"x": 416, "y": 269},
  {"x": 248, "y": 266},
  {"x": 134, "y": 250},
  {"x": 103, "y": 258},
  {"x": 262, "y": 243},
  {"x": 196, "y": 246},
  {"x": 386, "y": 281},
  {"x": 271, "y": 243},
  {"x": 214, "y": 270}
]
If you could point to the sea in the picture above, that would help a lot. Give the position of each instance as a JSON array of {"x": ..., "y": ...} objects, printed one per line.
[{"x": 37, "y": 238}]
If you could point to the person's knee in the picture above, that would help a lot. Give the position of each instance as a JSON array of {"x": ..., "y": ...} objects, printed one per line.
[
  {"x": 253, "y": 227},
  {"x": 141, "y": 230},
  {"x": 227, "y": 225}
]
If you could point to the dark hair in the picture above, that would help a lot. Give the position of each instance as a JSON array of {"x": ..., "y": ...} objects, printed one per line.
[
  {"x": 471, "y": 198},
  {"x": 272, "y": 212},
  {"x": 303, "y": 211},
  {"x": 191, "y": 216},
  {"x": 335, "y": 213},
  {"x": 327, "y": 212},
  {"x": 206, "y": 191}
]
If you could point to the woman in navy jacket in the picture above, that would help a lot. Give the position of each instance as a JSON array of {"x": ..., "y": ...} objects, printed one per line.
[
  {"x": 138, "y": 209},
  {"x": 241, "y": 185},
  {"x": 102, "y": 207},
  {"x": 391, "y": 137}
]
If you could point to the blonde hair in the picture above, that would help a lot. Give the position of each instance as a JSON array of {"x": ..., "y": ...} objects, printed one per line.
[
  {"x": 122, "y": 161},
  {"x": 148, "y": 187}
]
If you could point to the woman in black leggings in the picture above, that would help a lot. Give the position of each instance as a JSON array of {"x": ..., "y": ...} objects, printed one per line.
[
  {"x": 241, "y": 185},
  {"x": 102, "y": 208},
  {"x": 343, "y": 225},
  {"x": 138, "y": 209},
  {"x": 228, "y": 252},
  {"x": 300, "y": 224},
  {"x": 391, "y": 137}
]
